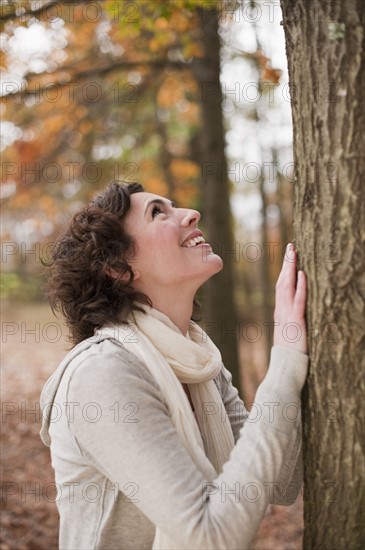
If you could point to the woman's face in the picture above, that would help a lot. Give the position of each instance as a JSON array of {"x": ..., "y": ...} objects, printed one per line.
[{"x": 165, "y": 256}]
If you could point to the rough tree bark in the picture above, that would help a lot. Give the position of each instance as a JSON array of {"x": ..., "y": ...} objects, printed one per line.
[
  {"x": 219, "y": 308},
  {"x": 325, "y": 49}
]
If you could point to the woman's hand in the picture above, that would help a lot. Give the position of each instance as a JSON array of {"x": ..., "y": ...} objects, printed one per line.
[{"x": 290, "y": 329}]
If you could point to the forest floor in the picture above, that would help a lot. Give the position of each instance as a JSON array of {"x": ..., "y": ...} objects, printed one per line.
[{"x": 29, "y": 517}]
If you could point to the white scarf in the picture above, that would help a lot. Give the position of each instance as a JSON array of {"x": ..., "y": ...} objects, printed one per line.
[{"x": 174, "y": 359}]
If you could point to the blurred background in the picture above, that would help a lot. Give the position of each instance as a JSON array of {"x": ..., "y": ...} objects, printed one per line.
[{"x": 188, "y": 97}]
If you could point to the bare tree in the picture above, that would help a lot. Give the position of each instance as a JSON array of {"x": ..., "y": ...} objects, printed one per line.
[{"x": 219, "y": 307}]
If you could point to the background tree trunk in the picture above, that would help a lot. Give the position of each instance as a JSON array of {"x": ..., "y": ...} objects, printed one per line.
[
  {"x": 219, "y": 307},
  {"x": 267, "y": 309},
  {"x": 325, "y": 47}
]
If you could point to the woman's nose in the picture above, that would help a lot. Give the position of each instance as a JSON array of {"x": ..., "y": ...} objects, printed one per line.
[{"x": 190, "y": 217}]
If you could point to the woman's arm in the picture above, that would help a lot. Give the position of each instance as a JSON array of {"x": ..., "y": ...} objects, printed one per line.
[
  {"x": 290, "y": 480},
  {"x": 290, "y": 334}
]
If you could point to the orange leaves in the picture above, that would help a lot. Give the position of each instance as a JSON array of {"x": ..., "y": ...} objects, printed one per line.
[
  {"x": 27, "y": 151},
  {"x": 66, "y": 125},
  {"x": 86, "y": 126},
  {"x": 185, "y": 174},
  {"x": 55, "y": 123},
  {"x": 261, "y": 59},
  {"x": 27, "y": 198},
  {"x": 186, "y": 195},
  {"x": 154, "y": 181},
  {"x": 161, "y": 24},
  {"x": 184, "y": 169},
  {"x": 174, "y": 91},
  {"x": 179, "y": 21},
  {"x": 170, "y": 91},
  {"x": 21, "y": 200},
  {"x": 267, "y": 72},
  {"x": 271, "y": 75},
  {"x": 167, "y": 31},
  {"x": 46, "y": 203},
  {"x": 158, "y": 42}
]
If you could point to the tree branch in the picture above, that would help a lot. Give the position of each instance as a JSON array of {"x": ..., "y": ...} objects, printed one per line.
[
  {"x": 157, "y": 64},
  {"x": 34, "y": 13}
]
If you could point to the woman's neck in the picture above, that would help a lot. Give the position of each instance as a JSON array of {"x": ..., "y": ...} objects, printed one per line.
[{"x": 179, "y": 311}]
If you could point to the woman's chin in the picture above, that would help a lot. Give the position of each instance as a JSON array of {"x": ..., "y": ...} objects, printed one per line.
[
  {"x": 215, "y": 263},
  {"x": 215, "y": 258}
]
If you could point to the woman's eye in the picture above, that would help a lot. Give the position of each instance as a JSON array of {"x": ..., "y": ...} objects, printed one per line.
[{"x": 156, "y": 209}]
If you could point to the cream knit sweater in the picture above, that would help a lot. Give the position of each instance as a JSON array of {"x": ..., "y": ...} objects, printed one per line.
[{"x": 121, "y": 469}]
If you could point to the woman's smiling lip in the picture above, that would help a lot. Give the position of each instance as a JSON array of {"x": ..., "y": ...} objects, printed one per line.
[
  {"x": 197, "y": 246},
  {"x": 192, "y": 235}
]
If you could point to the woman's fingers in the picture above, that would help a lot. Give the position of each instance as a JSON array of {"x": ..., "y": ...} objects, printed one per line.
[
  {"x": 287, "y": 278},
  {"x": 291, "y": 266},
  {"x": 300, "y": 296},
  {"x": 290, "y": 304}
]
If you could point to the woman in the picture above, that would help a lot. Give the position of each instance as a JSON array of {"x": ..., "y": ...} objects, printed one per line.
[{"x": 151, "y": 445}]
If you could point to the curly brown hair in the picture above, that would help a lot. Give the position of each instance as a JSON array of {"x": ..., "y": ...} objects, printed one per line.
[{"x": 94, "y": 245}]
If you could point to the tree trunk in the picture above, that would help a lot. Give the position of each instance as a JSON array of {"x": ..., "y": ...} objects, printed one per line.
[
  {"x": 267, "y": 309},
  {"x": 219, "y": 309},
  {"x": 325, "y": 47}
]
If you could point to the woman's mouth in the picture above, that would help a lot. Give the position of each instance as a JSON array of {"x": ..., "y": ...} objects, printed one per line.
[{"x": 196, "y": 241}]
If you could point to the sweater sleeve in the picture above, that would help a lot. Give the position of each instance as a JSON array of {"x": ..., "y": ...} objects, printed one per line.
[
  {"x": 235, "y": 408},
  {"x": 131, "y": 440},
  {"x": 290, "y": 480}
]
